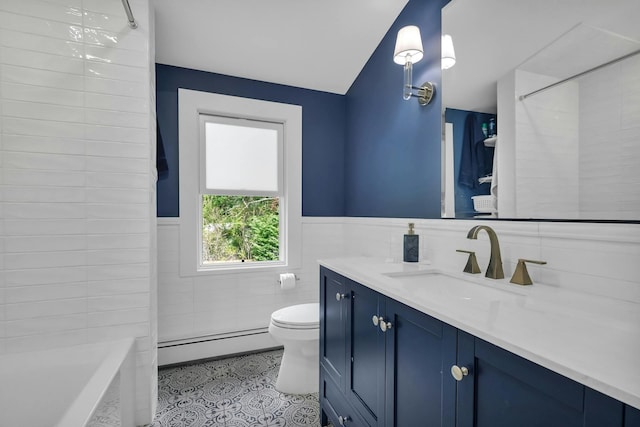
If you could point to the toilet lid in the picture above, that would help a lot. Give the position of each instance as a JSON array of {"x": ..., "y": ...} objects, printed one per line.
[{"x": 302, "y": 316}]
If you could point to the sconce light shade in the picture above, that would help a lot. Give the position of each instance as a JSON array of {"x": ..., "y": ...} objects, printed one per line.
[
  {"x": 448, "y": 54},
  {"x": 408, "y": 45},
  {"x": 408, "y": 51}
]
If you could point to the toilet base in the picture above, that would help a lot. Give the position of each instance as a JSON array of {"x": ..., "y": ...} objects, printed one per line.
[{"x": 299, "y": 369}]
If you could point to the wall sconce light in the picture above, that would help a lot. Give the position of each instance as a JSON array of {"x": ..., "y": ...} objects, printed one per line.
[
  {"x": 408, "y": 51},
  {"x": 448, "y": 54}
]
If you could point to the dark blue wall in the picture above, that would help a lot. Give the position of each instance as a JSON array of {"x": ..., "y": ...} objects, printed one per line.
[
  {"x": 463, "y": 194},
  {"x": 323, "y": 134},
  {"x": 369, "y": 153},
  {"x": 393, "y": 146}
]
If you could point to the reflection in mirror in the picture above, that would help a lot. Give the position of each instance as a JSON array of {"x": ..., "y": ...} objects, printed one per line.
[{"x": 570, "y": 151}]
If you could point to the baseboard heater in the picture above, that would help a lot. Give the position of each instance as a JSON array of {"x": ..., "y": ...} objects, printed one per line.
[{"x": 190, "y": 349}]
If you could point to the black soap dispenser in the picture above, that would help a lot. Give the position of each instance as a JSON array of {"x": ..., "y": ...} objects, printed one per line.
[{"x": 411, "y": 245}]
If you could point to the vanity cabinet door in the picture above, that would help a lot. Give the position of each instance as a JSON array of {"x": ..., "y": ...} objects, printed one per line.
[
  {"x": 631, "y": 416},
  {"x": 602, "y": 410},
  {"x": 333, "y": 321},
  {"x": 365, "y": 340},
  {"x": 419, "y": 353},
  {"x": 503, "y": 389}
]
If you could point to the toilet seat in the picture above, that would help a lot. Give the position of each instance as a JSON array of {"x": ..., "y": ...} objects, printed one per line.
[{"x": 301, "y": 316}]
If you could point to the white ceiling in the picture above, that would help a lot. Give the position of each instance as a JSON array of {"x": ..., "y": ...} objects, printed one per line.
[
  {"x": 323, "y": 45},
  {"x": 319, "y": 45},
  {"x": 492, "y": 37}
]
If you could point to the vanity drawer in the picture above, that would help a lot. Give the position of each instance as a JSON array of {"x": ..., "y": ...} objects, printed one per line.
[{"x": 335, "y": 405}]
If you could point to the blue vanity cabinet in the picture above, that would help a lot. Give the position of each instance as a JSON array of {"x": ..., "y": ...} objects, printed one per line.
[
  {"x": 334, "y": 407},
  {"x": 384, "y": 364},
  {"x": 419, "y": 353},
  {"x": 397, "y": 358},
  {"x": 502, "y": 389},
  {"x": 338, "y": 390},
  {"x": 393, "y": 374},
  {"x": 631, "y": 416},
  {"x": 366, "y": 353},
  {"x": 333, "y": 318},
  {"x": 335, "y": 297}
]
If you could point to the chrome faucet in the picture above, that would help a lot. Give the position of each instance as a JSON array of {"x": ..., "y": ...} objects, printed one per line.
[{"x": 494, "y": 270}]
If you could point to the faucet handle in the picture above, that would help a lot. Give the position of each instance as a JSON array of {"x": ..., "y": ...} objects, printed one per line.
[
  {"x": 521, "y": 275},
  {"x": 472, "y": 262}
]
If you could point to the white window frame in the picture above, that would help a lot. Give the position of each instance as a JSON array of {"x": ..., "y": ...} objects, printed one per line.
[{"x": 191, "y": 105}]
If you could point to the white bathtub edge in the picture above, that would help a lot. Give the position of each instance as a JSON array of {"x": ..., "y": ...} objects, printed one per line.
[{"x": 83, "y": 407}]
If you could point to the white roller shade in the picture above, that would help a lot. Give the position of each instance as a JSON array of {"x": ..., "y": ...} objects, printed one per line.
[{"x": 242, "y": 156}]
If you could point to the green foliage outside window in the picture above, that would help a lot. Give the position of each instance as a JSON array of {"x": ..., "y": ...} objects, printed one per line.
[{"x": 240, "y": 228}]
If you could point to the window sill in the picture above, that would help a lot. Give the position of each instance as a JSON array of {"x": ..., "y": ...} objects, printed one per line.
[{"x": 276, "y": 268}]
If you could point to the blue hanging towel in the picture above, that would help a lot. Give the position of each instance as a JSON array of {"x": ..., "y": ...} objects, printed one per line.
[
  {"x": 473, "y": 159},
  {"x": 162, "y": 165}
]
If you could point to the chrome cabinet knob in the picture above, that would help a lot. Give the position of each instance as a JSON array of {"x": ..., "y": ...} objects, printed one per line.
[
  {"x": 376, "y": 320},
  {"x": 459, "y": 372},
  {"x": 385, "y": 326},
  {"x": 340, "y": 296},
  {"x": 342, "y": 420}
]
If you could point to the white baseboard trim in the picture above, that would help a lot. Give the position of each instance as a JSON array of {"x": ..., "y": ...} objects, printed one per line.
[{"x": 203, "y": 348}]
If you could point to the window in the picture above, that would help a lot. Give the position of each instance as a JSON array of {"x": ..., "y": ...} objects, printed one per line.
[
  {"x": 240, "y": 183},
  {"x": 241, "y": 189}
]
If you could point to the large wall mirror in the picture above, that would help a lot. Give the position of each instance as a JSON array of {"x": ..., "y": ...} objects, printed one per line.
[{"x": 542, "y": 110}]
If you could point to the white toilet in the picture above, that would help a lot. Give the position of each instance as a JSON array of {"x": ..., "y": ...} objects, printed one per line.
[{"x": 297, "y": 328}]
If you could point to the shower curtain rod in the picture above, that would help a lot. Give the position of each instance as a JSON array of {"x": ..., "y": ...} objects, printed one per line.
[
  {"x": 629, "y": 55},
  {"x": 127, "y": 10}
]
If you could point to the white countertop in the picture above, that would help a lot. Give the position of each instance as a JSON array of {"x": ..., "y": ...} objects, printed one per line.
[{"x": 592, "y": 340}]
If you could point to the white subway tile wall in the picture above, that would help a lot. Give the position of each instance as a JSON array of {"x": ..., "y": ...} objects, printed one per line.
[
  {"x": 77, "y": 175},
  {"x": 609, "y": 135},
  {"x": 599, "y": 259},
  {"x": 592, "y": 258},
  {"x": 546, "y": 150},
  {"x": 604, "y": 120}
]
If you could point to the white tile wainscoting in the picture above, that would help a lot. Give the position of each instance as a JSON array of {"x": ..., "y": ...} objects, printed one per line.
[
  {"x": 231, "y": 307},
  {"x": 595, "y": 258},
  {"x": 77, "y": 200}
]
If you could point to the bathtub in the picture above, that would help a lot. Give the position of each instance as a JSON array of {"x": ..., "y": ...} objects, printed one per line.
[{"x": 89, "y": 385}]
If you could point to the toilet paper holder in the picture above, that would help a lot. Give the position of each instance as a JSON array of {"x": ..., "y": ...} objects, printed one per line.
[{"x": 295, "y": 275}]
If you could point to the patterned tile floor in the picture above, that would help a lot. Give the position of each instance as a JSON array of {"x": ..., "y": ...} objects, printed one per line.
[{"x": 234, "y": 392}]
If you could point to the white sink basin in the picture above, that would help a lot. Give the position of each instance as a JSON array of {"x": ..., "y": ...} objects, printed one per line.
[
  {"x": 411, "y": 273},
  {"x": 463, "y": 287}
]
